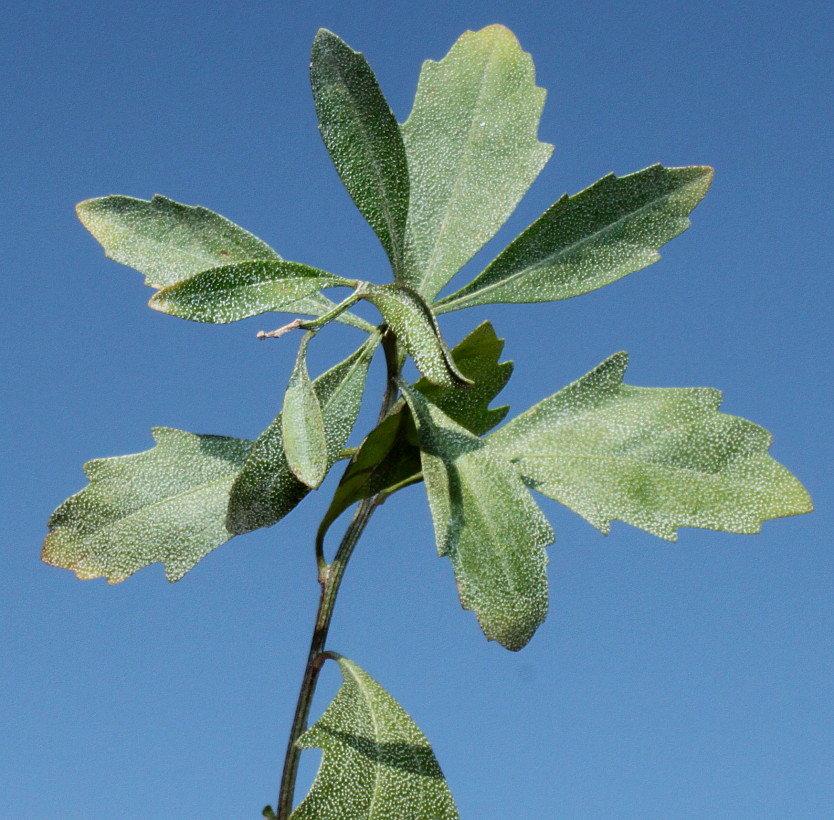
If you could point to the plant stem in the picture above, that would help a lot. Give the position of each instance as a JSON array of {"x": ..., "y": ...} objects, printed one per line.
[{"x": 330, "y": 579}]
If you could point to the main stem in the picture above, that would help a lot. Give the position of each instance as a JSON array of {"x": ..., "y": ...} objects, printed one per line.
[{"x": 330, "y": 579}]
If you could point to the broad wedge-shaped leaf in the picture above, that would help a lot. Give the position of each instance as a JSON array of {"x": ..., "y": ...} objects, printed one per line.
[
  {"x": 169, "y": 242},
  {"x": 302, "y": 424},
  {"x": 472, "y": 152},
  {"x": 377, "y": 764},
  {"x": 487, "y": 523},
  {"x": 167, "y": 504},
  {"x": 389, "y": 458},
  {"x": 585, "y": 241},
  {"x": 363, "y": 138},
  {"x": 235, "y": 292},
  {"x": 657, "y": 458},
  {"x": 266, "y": 488},
  {"x": 415, "y": 326}
]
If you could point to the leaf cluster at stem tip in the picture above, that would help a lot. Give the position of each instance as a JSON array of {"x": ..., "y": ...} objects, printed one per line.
[{"x": 434, "y": 189}]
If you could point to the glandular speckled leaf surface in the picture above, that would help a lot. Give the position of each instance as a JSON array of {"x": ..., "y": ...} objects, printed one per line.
[
  {"x": 266, "y": 488},
  {"x": 389, "y": 457},
  {"x": 363, "y": 138},
  {"x": 415, "y": 326},
  {"x": 302, "y": 424},
  {"x": 376, "y": 763},
  {"x": 234, "y": 292},
  {"x": 591, "y": 239},
  {"x": 472, "y": 148},
  {"x": 487, "y": 523},
  {"x": 167, "y": 504},
  {"x": 165, "y": 240},
  {"x": 655, "y": 457}
]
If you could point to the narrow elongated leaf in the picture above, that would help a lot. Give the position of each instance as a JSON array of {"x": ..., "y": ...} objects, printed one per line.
[
  {"x": 170, "y": 242},
  {"x": 377, "y": 764},
  {"x": 234, "y": 292},
  {"x": 658, "y": 458},
  {"x": 363, "y": 138},
  {"x": 389, "y": 458},
  {"x": 591, "y": 239},
  {"x": 167, "y": 504},
  {"x": 165, "y": 240},
  {"x": 488, "y": 524},
  {"x": 414, "y": 324},
  {"x": 266, "y": 488},
  {"x": 302, "y": 424},
  {"x": 472, "y": 152}
]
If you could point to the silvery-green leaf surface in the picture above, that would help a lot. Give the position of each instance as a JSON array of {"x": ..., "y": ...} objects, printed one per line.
[
  {"x": 487, "y": 523},
  {"x": 170, "y": 242},
  {"x": 655, "y": 457},
  {"x": 234, "y": 292},
  {"x": 472, "y": 149},
  {"x": 389, "y": 457},
  {"x": 415, "y": 326},
  {"x": 266, "y": 488},
  {"x": 585, "y": 241},
  {"x": 363, "y": 138},
  {"x": 167, "y": 504},
  {"x": 377, "y": 764},
  {"x": 302, "y": 424}
]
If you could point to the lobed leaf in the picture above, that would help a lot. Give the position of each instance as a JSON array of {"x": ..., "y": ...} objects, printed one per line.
[
  {"x": 472, "y": 152},
  {"x": 234, "y": 292},
  {"x": 389, "y": 458},
  {"x": 657, "y": 458},
  {"x": 167, "y": 504},
  {"x": 302, "y": 424},
  {"x": 415, "y": 326},
  {"x": 591, "y": 239},
  {"x": 377, "y": 764},
  {"x": 266, "y": 488},
  {"x": 363, "y": 138},
  {"x": 488, "y": 525}
]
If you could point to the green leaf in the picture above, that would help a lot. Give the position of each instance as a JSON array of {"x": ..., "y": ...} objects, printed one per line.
[
  {"x": 487, "y": 523},
  {"x": 585, "y": 241},
  {"x": 165, "y": 240},
  {"x": 415, "y": 326},
  {"x": 267, "y": 489},
  {"x": 377, "y": 764},
  {"x": 302, "y": 424},
  {"x": 167, "y": 504},
  {"x": 389, "y": 458},
  {"x": 170, "y": 242},
  {"x": 363, "y": 138},
  {"x": 657, "y": 458},
  {"x": 472, "y": 152},
  {"x": 234, "y": 292}
]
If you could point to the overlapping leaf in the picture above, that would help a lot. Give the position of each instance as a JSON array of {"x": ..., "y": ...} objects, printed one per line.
[
  {"x": 487, "y": 523},
  {"x": 377, "y": 764},
  {"x": 472, "y": 152},
  {"x": 266, "y": 488},
  {"x": 415, "y": 326},
  {"x": 170, "y": 242},
  {"x": 657, "y": 458},
  {"x": 389, "y": 458},
  {"x": 363, "y": 138},
  {"x": 302, "y": 424},
  {"x": 235, "y": 292},
  {"x": 591, "y": 239},
  {"x": 167, "y": 504}
]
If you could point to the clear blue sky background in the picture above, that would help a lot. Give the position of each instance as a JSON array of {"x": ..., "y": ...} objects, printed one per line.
[{"x": 670, "y": 681}]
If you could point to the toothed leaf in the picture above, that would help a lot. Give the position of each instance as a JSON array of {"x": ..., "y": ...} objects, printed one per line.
[
  {"x": 655, "y": 457},
  {"x": 377, "y": 764},
  {"x": 167, "y": 504}
]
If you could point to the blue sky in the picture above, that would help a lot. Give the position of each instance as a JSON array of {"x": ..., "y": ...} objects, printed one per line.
[{"x": 687, "y": 681}]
